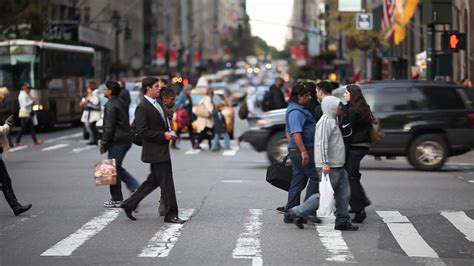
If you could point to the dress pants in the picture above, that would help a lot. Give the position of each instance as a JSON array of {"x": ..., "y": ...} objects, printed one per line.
[{"x": 161, "y": 176}]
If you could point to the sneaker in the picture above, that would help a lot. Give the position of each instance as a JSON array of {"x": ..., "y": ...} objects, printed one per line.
[
  {"x": 19, "y": 144},
  {"x": 39, "y": 142},
  {"x": 112, "y": 204},
  {"x": 281, "y": 209},
  {"x": 346, "y": 227}
]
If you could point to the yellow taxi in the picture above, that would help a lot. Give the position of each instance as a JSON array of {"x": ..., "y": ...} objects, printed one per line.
[{"x": 219, "y": 96}]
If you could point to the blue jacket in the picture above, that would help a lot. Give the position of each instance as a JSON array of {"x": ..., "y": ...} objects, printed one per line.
[{"x": 300, "y": 120}]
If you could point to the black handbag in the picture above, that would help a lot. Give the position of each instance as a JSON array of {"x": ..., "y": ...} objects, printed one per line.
[
  {"x": 136, "y": 138},
  {"x": 280, "y": 175}
]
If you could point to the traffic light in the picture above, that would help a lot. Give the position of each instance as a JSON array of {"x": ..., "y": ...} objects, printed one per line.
[{"x": 454, "y": 41}]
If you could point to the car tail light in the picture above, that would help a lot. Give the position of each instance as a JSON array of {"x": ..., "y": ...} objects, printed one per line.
[{"x": 471, "y": 119}]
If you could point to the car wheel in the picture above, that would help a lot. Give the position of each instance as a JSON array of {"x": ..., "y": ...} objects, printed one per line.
[
  {"x": 428, "y": 152},
  {"x": 277, "y": 147}
]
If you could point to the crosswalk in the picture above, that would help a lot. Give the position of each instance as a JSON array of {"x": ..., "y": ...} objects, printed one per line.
[
  {"x": 248, "y": 244},
  {"x": 72, "y": 144}
]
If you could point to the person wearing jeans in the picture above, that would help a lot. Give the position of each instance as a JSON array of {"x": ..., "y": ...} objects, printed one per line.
[
  {"x": 340, "y": 184},
  {"x": 116, "y": 139},
  {"x": 329, "y": 153},
  {"x": 300, "y": 127},
  {"x": 118, "y": 153}
]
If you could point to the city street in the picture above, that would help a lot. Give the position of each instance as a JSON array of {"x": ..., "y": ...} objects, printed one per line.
[{"x": 415, "y": 218}]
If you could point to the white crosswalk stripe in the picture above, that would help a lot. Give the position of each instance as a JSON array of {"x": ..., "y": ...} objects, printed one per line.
[
  {"x": 18, "y": 148},
  {"x": 406, "y": 235},
  {"x": 231, "y": 152},
  {"x": 462, "y": 222},
  {"x": 55, "y": 147},
  {"x": 334, "y": 243},
  {"x": 248, "y": 245},
  {"x": 66, "y": 246},
  {"x": 192, "y": 152},
  {"x": 161, "y": 244}
]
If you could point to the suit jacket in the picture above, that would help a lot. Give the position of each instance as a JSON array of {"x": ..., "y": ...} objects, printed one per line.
[{"x": 151, "y": 127}]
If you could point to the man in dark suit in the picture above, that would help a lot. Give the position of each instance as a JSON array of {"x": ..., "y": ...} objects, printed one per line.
[{"x": 153, "y": 126}]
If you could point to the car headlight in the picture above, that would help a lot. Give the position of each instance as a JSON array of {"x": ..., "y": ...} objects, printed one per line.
[{"x": 38, "y": 107}]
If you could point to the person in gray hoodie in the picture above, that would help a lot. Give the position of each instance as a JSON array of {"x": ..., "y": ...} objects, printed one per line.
[{"x": 329, "y": 153}]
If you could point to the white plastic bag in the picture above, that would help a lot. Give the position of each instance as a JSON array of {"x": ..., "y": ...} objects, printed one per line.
[{"x": 327, "y": 202}]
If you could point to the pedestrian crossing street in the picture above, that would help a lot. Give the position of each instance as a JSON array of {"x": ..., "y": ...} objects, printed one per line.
[{"x": 248, "y": 245}]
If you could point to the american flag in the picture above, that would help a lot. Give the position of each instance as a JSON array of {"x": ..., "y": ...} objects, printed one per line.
[{"x": 388, "y": 18}]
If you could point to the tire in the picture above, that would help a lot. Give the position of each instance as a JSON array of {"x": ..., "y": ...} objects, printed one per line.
[
  {"x": 277, "y": 147},
  {"x": 428, "y": 152}
]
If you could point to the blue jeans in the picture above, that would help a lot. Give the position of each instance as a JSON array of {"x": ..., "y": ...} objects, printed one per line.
[
  {"x": 300, "y": 177},
  {"x": 215, "y": 141},
  {"x": 118, "y": 153},
  {"x": 342, "y": 190},
  {"x": 25, "y": 124}
]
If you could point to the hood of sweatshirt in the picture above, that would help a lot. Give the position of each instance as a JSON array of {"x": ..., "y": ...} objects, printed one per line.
[{"x": 329, "y": 106}]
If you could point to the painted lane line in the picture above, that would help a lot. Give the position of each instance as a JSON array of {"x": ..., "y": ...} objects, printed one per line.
[
  {"x": 66, "y": 246},
  {"x": 192, "y": 151},
  {"x": 462, "y": 222},
  {"x": 55, "y": 147},
  {"x": 17, "y": 148},
  {"x": 77, "y": 150},
  {"x": 406, "y": 235},
  {"x": 161, "y": 244},
  {"x": 471, "y": 181},
  {"x": 248, "y": 244},
  {"x": 71, "y": 136},
  {"x": 231, "y": 152},
  {"x": 334, "y": 243}
]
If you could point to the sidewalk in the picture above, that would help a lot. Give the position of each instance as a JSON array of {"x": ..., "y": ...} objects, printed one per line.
[{"x": 467, "y": 158}]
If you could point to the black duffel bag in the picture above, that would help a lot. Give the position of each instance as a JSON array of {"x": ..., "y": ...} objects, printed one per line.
[{"x": 280, "y": 174}]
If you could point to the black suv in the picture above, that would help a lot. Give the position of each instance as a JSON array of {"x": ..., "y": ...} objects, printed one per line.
[{"x": 426, "y": 121}]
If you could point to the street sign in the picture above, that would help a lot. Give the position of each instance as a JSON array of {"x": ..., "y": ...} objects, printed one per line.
[{"x": 364, "y": 21}]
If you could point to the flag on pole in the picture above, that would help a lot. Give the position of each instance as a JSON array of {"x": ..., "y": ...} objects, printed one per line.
[{"x": 388, "y": 18}]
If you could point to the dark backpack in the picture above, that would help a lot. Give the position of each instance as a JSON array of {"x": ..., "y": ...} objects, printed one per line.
[
  {"x": 267, "y": 102},
  {"x": 136, "y": 138},
  {"x": 182, "y": 117},
  {"x": 243, "y": 110}
]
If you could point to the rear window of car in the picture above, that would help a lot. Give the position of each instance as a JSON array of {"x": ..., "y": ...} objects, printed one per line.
[{"x": 443, "y": 98}]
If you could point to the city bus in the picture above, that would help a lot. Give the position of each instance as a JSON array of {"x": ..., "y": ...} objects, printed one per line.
[{"x": 57, "y": 74}]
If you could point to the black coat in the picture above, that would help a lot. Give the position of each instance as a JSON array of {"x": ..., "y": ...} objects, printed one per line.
[
  {"x": 151, "y": 127},
  {"x": 125, "y": 96},
  {"x": 359, "y": 126},
  {"x": 116, "y": 123}
]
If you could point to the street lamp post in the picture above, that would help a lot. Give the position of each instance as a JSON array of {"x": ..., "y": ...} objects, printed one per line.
[{"x": 116, "y": 23}]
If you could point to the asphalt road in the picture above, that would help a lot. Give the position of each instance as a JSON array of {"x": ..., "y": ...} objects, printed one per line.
[{"x": 428, "y": 216}]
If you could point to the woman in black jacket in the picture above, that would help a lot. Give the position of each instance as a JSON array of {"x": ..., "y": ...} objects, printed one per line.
[{"x": 357, "y": 145}]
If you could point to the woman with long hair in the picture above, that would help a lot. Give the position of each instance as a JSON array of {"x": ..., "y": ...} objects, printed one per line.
[{"x": 357, "y": 144}]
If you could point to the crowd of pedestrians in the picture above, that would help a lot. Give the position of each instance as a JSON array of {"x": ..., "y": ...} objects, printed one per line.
[{"x": 325, "y": 136}]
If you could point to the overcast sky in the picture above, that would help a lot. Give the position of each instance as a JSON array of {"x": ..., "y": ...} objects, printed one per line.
[{"x": 275, "y": 11}]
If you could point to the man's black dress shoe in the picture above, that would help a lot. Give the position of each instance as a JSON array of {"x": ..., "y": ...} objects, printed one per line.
[
  {"x": 175, "y": 220},
  {"x": 128, "y": 212}
]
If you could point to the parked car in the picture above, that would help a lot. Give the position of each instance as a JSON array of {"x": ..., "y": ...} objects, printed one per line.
[
  {"x": 219, "y": 96},
  {"x": 425, "y": 121}
]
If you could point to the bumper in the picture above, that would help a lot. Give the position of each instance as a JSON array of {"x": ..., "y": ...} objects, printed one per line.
[{"x": 257, "y": 138}]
